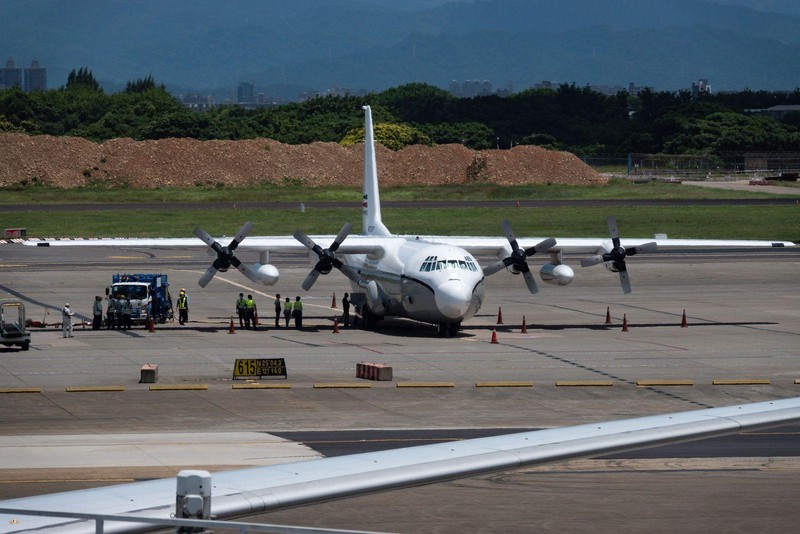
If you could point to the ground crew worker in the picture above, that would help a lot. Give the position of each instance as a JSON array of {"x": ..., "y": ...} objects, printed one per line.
[
  {"x": 110, "y": 313},
  {"x": 241, "y": 309},
  {"x": 66, "y": 320},
  {"x": 97, "y": 313},
  {"x": 183, "y": 307},
  {"x": 346, "y": 310},
  {"x": 250, "y": 315},
  {"x": 287, "y": 311},
  {"x": 277, "y": 310},
  {"x": 118, "y": 311},
  {"x": 297, "y": 313},
  {"x": 126, "y": 314}
]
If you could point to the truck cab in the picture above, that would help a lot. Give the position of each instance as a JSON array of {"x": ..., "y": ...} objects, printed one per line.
[{"x": 148, "y": 294}]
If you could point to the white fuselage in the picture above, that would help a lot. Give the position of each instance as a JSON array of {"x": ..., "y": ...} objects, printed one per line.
[{"x": 424, "y": 281}]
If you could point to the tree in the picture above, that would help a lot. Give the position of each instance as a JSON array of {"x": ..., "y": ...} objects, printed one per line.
[
  {"x": 392, "y": 136},
  {"x": 82, "y": 79}
]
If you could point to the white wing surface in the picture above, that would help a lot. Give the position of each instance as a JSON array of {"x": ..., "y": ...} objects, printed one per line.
[{"x": 253, "y": 490}]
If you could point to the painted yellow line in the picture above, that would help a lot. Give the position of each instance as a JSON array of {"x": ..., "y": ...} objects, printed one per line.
[
  {"x": 20, "y": 390},
  {"x": 261, "y": 386},
  {"x": 178, "y": 257},
  {"x": 665, "y": 382},
  {"x": 741, "y": 382},
  {"x": 85, "y": 389},
  {"x": 504, "y": 384},
  {"x": 797, "y": 380},
  {"x": 328, "y": 385},
  {"x": 584, "y": 383},
  {"x": 180, "y": 387},
  {"x": 124, "y": 257},
  {"x": 13, "y": 265},
  {"x": 425, "y": 385}
]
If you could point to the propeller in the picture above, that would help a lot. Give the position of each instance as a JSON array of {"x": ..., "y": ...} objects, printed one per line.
[
  {"x": 327, "y": 257},
  {"x": 225, "y": 257},
  {"x": 519, "y": 256},
  {"x": 618, "y": 254}
]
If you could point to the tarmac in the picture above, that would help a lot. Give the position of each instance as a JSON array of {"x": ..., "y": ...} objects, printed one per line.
[{"x": 73, "y": 413}]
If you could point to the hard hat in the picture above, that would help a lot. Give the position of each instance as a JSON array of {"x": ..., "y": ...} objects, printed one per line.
[
  {"x": 66, "y": 305},
  {"x": 183, "y": 290}
]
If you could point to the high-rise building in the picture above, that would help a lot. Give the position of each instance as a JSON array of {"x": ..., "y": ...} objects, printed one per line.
[
  {"x": 35, "y": 77},
  {"x": 10, "y": 76},
  {"x": 245, "y": 93}
]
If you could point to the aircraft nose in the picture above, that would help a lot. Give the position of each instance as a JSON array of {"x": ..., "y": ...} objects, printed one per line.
[{"x": 453, "y": 299}]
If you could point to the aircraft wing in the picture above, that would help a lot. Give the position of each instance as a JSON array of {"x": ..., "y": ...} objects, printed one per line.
[
  {"x": 589, "y": 245},
  {"x": 355, "y": 244},
  {"x": 253, "y": 490}
]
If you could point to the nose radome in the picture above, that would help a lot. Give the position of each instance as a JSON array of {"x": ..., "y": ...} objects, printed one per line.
[{"x": 453, "y": 299}]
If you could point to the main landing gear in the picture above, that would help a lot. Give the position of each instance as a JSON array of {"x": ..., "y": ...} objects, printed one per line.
[{"x": 447, "y": 329}]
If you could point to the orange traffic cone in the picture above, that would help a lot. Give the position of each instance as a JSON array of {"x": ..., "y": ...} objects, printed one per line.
[
  {"x": 625, "y": 322},
  {"x": 151, "y": 325},
  {"x": 333, "y": 301},
  {"x": 499, "y": 315},
  {"x": 684, "y": 324},
  {"x": 608, "y": 315},
  {"x": 494, "y": 336},
  {"x": 231, "y": 329},
  {"x": 524, "y": 326}
]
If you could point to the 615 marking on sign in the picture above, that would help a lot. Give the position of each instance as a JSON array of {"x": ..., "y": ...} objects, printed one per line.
[{"x": 259, "y": 367}]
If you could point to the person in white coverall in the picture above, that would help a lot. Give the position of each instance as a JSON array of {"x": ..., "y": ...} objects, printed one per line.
[{"x": 66, "y": 323}]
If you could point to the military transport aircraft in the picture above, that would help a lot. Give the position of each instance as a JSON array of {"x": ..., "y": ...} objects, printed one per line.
[
  {"x": 432, "y": 279},
  {"x": 244, "y": 492}
]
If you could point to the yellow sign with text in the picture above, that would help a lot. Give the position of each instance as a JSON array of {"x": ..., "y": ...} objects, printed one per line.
[{"x": 259, "y": 367}]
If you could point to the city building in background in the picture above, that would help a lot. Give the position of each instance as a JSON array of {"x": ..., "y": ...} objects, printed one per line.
[{"x": 33, "y": 78}]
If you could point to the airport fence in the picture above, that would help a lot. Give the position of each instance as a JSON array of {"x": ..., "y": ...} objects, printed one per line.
[{"x": 741, "y": 165}]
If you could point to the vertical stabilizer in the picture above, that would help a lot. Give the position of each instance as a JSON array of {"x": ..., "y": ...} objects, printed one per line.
[{"x": 371, "y": 201}]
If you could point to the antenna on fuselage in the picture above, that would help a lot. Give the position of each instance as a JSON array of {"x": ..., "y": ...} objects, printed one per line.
[{"x": 371, "y": 201}]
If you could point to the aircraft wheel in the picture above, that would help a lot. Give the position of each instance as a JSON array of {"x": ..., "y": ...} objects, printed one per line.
[
  {"x": 452, "y": 329},
  {"x": 370, "y": 318},
  {"x": 441, "y": 329},
  {"x": 26, "y": 346}
]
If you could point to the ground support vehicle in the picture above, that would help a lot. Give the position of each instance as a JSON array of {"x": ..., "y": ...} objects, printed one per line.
[
  {"x": 13, "y": 330},
  {"x": 148, "y": 294}
]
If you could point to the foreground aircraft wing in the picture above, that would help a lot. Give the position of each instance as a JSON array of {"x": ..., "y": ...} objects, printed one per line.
[
  {"x": 356, "y": 244},
  {"x": 588, "y": 245},
  {"x": 254, "y": 490}
]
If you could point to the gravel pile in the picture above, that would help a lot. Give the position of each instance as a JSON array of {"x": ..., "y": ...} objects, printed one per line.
[{"x": 71, "y": 161}]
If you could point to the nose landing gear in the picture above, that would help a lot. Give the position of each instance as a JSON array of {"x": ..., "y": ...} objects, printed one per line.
[{"x": 447, "y": 329}]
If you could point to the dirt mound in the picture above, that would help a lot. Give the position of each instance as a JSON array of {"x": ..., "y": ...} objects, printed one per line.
[{"x": 71, "y": 162}]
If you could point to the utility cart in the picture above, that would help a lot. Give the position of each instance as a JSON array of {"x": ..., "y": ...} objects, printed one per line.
[{"x": 13, "y": 330}]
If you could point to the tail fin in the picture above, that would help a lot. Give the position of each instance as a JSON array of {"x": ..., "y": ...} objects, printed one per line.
[{"x": 371, "y": 202}]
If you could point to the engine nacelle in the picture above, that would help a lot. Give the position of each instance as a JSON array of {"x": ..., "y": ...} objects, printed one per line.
[
  {"x": 559, "y": 274},
  {"x": 267, "y": 274}
]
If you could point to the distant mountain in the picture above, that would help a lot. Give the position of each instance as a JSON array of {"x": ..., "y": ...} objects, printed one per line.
[{"x": 285, "y": 46}]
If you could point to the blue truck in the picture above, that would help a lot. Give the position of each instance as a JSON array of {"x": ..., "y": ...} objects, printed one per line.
[{"x": 148, "y": 295}]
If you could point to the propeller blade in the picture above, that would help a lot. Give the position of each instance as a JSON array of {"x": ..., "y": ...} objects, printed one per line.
[
  {"x": 241, "y": 235},
  {"x": 530, "y": 281},
  {"x": 613, "y": 230},
  {"x": 547, "y": 244},
  {"x": 625, "y": 281},
  {"x": 646, "y": 247},
  {"x": 304, "y": 239},
  {"x": 592, "y": 260},
  {"x": 347, "y": 271},
  {"x": 207, "y": 276},
  {"x": 509, "y": 232},
  {"x": 341, "y": 236},
  {"x": 310, "y": 279},
  {"x": 204, "y": 237},
  {"x": 493, "y": 268},
  {"x": 245, "y": 269}
]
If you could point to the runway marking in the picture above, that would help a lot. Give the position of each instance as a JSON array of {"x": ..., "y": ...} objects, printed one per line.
[
  {"x": 123, "y": 257},
  {"x": 13, "y": 265},
  {"x": 652, "y": 343},
  {"x": 359, "y": 346}
]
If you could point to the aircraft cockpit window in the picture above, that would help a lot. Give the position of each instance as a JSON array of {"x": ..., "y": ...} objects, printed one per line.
[
  {"x": 452, "y": 264},
  {"x": 471, "y": 264},
  {"x": 429, "y": 264}
]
